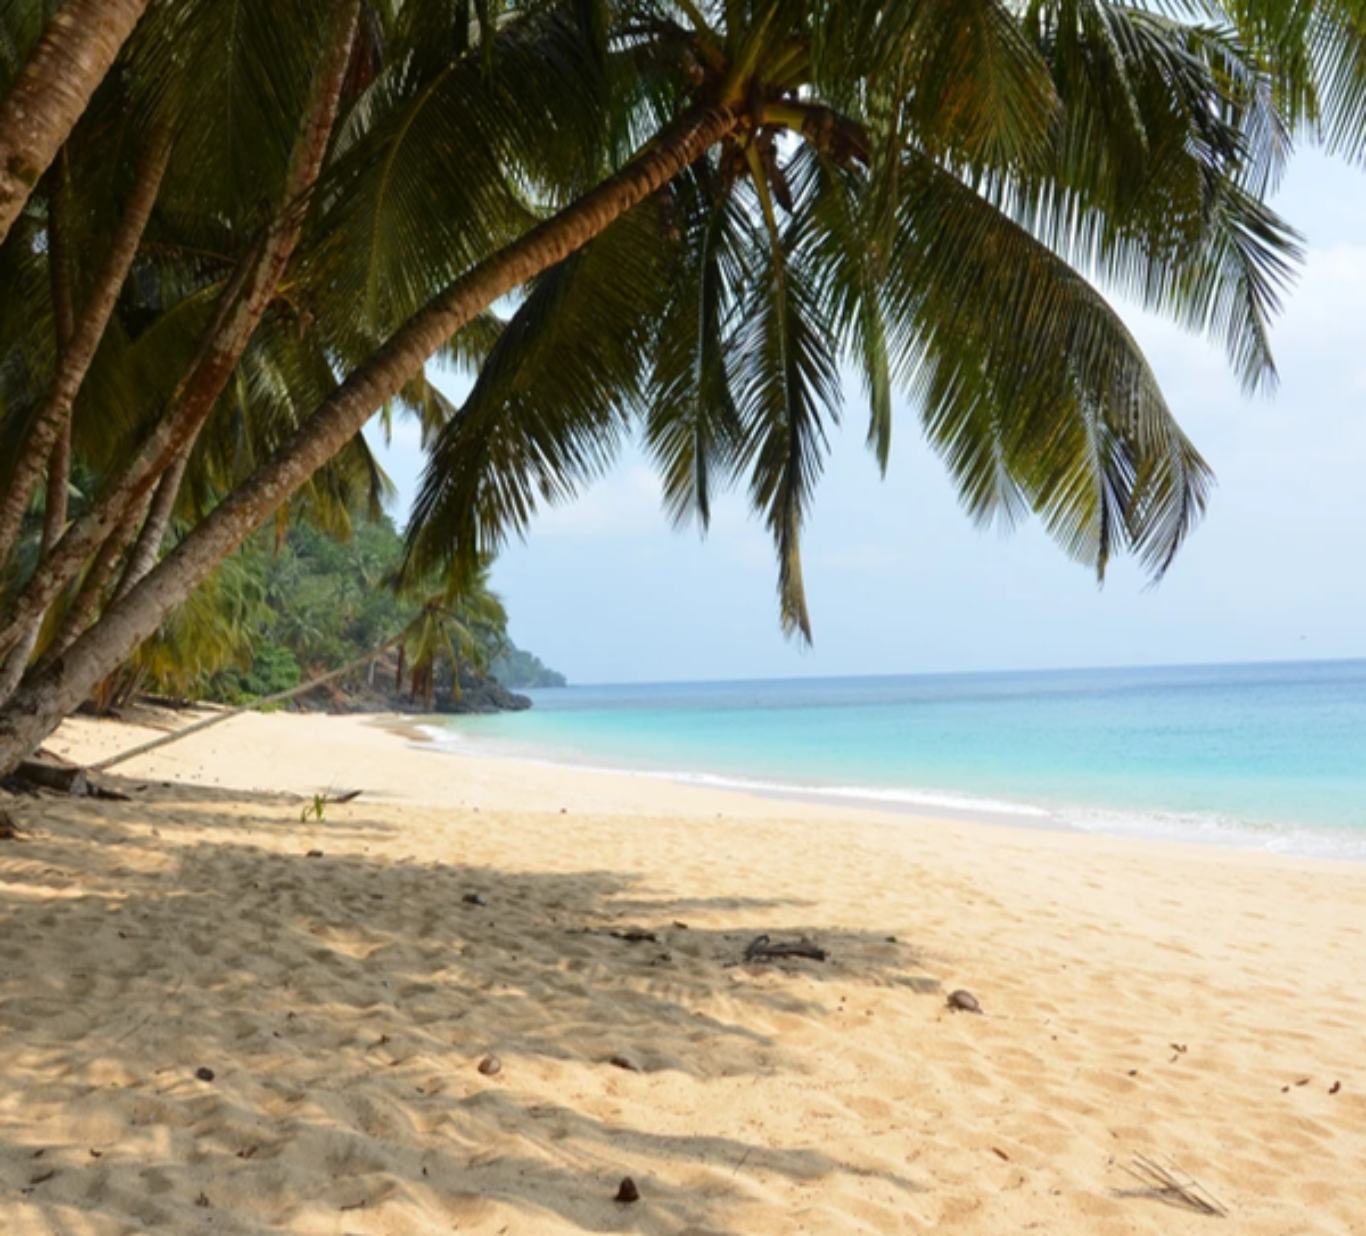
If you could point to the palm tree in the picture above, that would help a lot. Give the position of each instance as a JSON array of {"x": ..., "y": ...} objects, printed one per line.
[
  {"x": 237, "y": 295},
  {"x": 174, "y": 304},
  {"x": 43, "y": 100},
  {"x": 917, "y": 189},
  {"x": 923, "y": 239},
  {"x": 462, "y": 625},
  {"x": 213, "y": 631},
  {"x": 241, "y": 302}
]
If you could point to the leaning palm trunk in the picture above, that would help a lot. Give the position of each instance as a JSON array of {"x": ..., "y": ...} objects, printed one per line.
[
  {"x": 241, "y": 307},
  {"x": 82, "y": 610},
  {"x": 52, "y": 91},
  {"x": 85, "y": 607},
  {"x": 54, "y": 419},
  {"x": 39, "y": 705},
  {"x": 143, "y": 548},
  {"x": 147, "y": 548}
]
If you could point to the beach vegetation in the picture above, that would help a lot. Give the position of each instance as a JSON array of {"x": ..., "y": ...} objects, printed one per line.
[
  {"x": 290, "y": 607},
  {"x": 230, "y": 235},
  {"x": 516, "y": 668}
]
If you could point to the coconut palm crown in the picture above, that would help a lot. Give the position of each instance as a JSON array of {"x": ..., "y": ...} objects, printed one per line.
[{"x": 923, "y": 193}]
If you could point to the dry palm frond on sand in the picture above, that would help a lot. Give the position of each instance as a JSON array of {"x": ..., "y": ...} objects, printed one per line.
[{"x": 1175, "y": 1186}]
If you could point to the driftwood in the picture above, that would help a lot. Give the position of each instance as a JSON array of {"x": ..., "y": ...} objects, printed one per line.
[
  {"x": 167, "y": 701},
  {"x": 761, "y": 948},
  {"x": 1175, "y": 1186},
  {"x": 64, "y": 778},
  {"x": 16, "y": 785}
]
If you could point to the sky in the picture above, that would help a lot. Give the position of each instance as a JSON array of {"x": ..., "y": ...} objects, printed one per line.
[{"x": 900, "y": 581}]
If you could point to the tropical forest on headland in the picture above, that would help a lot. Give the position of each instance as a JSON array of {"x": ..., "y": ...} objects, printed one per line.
[
  {"x": 233, "y": 234},
  {"x": 281, "y": 612}
]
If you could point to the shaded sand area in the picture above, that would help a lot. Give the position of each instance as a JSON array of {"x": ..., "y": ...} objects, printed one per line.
[{"x": 1187, "y": 1003}]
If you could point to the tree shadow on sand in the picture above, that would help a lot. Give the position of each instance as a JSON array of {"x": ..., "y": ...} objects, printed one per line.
[{"x": 341, "y": 1002}]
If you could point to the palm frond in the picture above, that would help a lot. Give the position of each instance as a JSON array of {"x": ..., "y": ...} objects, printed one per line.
[
  {"x": 234, "y": 77},
  {"x": 851, "y": 271},
  {"x": 551, "y": 406},
  {"x": 1170, "y": 134},
  {"x": 442, "y": 162},
  {"x": 1031, "y": 387},
  {"x": 692, "y": 426},
  {"x": 982, "y": 93},
  {"x": 787, "y": 384}
]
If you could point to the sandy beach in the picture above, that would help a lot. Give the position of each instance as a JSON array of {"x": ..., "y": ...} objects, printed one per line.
[{"x": 219, "y": 1017}]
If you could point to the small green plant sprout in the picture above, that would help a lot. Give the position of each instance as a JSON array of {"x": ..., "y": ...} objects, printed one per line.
[{"x": 316, "y": 807}]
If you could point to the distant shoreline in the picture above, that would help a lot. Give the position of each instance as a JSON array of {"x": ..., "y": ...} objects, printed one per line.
[{"x": 911, "y": 805}]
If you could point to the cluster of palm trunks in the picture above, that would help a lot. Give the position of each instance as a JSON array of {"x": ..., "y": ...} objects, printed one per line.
[{"x": 230, "y": 235}]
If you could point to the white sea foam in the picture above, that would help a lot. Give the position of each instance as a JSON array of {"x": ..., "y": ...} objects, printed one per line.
[
  {"x": 899, "y": 796},
  {"x": 441, "y": 736},
  {"x": 1204, "y": 829},
  {"x": 1220, "y": 830}
]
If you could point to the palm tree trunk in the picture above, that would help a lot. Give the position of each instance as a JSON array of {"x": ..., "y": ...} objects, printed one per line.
[
  {"x": 147, "y": 549},
  {"x": 38, "y": 706},
  {"x": 12, "y": 667},
  {"x": 240, "y": 309},
  {"x": 64, "y": 323},
  {"x": 54, "y": 419},
  {"x": 94, "y": 588},
  {"x": 52, "y": 91}
]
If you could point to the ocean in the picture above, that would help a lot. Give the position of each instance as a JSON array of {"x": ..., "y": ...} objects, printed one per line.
[{"x": 1271, "y": 756}]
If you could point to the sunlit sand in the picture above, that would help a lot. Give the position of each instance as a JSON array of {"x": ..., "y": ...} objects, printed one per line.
[{"x": 219, "y": 1016}]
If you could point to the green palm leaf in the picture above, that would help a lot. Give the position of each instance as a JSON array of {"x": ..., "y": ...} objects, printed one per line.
[
  {"x": 1031, "y": 387},
  {"x": 444, "y": 161},
  {"x": 787, "y": 383},
  {"x": 550, "y": 409},
  {"x": 851, "y": 271},
  {"x": 1168, "y": 136},
  {"x": 692, "y": 425},
  {"x": 235, "y": 77}
]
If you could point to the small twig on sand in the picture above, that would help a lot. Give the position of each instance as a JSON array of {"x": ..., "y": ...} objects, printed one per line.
[
  {"x": 761, "y": 948},
  {"x": 1173, "y": 1185}
]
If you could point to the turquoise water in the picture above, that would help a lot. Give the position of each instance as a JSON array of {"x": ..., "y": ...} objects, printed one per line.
[{"x": 1269, "y": 755}]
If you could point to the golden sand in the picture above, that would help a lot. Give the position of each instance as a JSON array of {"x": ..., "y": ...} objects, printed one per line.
[{"x": 1203, "y": 1006}]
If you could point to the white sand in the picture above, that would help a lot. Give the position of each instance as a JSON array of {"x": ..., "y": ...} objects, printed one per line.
[{"x": 344, "y": 1001}]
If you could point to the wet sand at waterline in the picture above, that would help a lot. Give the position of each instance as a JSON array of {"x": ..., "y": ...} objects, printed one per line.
[{"x": 218, "y": 1017}]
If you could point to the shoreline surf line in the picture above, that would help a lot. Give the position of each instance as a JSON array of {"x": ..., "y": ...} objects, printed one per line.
[{"x": 1203, "y": 831}]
